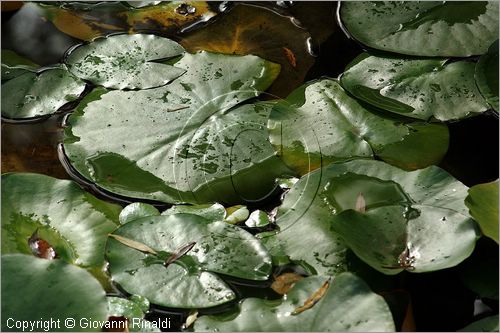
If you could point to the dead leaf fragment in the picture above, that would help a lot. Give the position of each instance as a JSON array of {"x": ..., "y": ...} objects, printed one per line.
[
  {"x": 315, "y": 298},
  {"x": 284, "y": 282},
  {"x": 40, "y": 247},
  {"x": 133, "y": 244}
]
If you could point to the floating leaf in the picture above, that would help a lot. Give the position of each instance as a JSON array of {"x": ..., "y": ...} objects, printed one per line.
[
  {"x": 215, "y": 212},
  {"x": 367, "y": 311},
  {"x": 14, "y": 65},
  {"x": 249, "y": 29},
  {"x": 487, "y": 324},
  {"x": 319, "y": 123},
  {"x": 428, "y": 28},
  {"x": 487, "y": 75},
  {"x": 417, "y": 88},
  {"x": 191, "y": 281},
  {"x": 182, "y": 142},
  {"x": 236, "y": 214},
  {"x": 38, "y": 94},
  {"x": 54, "y": 291},
  {"x": 129, "y": 314},
  {"x": 257, "y": 219},
  {"x": 126, "y": 61},
  {"x": 73, "y": 222},
  {"x": 483, "y": 205},
  {"x": 136, "y": 211}
]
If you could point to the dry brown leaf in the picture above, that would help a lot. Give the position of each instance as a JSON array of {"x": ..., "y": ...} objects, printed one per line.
[
  {"x": 133, "y": 244},
  {"x": 283, "y": 283},
  {"x": 315, "y": 298}
]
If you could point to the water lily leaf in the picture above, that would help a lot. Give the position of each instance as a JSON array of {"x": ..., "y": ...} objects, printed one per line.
[
  {"x": 129, "y": 314},
  {"x": 73, "y": 222},
  {"x": 367, "y": 311},
  {"x": 257, "y": 219},
  {"x": 396, "y": 232},
  {"x": 250, "y": 29},
  {"x": 54, "y": 291},
  {"x": 182, "y": 142},
  {"x": 88, "y": 21},
  {"x": 483, "y": 205},
  {"x": 305, "y": 217},
  {"x": 191, "y": 281},
  {"x": 236, "y": 214},
  {"x": 14, "y": 65},
  {"x": 136, "y": 211},
  {"x": 319, "y": 123},
  {"x": 31, "y": 95},
  {"x": 417, "y": 88},
  {"x": 488, "y": 324},
  {"x": 429, "y": 28},
  {"x": 487, "y": 75},
  {"x": 126, "y": 61},
  {"x": 215, "y": 212}
]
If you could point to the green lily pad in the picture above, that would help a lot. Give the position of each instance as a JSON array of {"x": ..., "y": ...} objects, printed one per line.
[
  {"x": 488, "y": 324},
  {"x": 236, "y": 214},
  {"x": 487, "y": 75},
  {"x": 136, "y": 211},
  {"x": 483, "y": 205},
  {"x": 126, "y": 61},
  {"x": 417, "y": 88},
  {"x": 215, "y": 212},
  {"x": 38, "y": 94},
  {"x": 182, "y": 142},
  {"x": 428, "y": 28},
  {"x": 72, "y": 221},
  {"x": 190, "y": 281},
  {"x": 257, "y": 219},
  {"x": 305, "y": 217},
  {"x": 14, "y": 65},
  {"x": 131, "y": 311},
  {"x": 367, "y": 311},
  {"x": 319, "y": 123},
  {"x": 54, "y": 291}
]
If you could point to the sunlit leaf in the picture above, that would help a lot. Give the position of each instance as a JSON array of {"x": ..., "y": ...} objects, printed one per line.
[{"x": 483, "y": 205}]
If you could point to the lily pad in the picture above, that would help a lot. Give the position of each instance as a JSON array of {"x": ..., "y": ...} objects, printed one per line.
[
  {"x": 483, "y": 205},
  {"x": 257, "y": 219},
  {"x": 428, "y": 28},
  {"x": 38, "y": 94},
  {"x": 54, "y": 290},
  {"x": 183, "y": 142},
  {"x": 191, "y": 280},
  {"x": 488, "y": 324},
  {"x": 129, "y": 314},
  {"x": 236, "y": 214},
  {"x": 215, "y": 212},
  {"x": 306, "y": 214},
  {"x": 72, "y": 221},
  {"x": 417, "y": 88},
  {"x": 126, "y": 61},
  {"x": 487, "y": 75},
  {"x": 319, "y": 123},
  {"x": 136, "y": 211},
  {"x": 14, "y": 65},
  {"x": 367, "y": 311}
]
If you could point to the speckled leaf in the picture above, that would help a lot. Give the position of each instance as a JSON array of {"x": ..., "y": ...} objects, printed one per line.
[
  {"x": 14, "y": 65},
  {"x": 126, "y": 61},
  {"x": 215, "y": 212},
  {"x": 191, "y": 281},
  {"x": 72, "y": 221},
  {"x": 31, "y": 95},
  {"x": 182, "y": 142},
  {"x": 136, "y": 211},
  {"x": 306, "y": 218},
  {"x": 319, "y": 124},
  {"x": 487, "y": 324},
  {"x": 424, "y": 28},
  {"x": 347, "y": 305},
  {"x": 54, "y": 290},
  {"x": 487, "y": 75},
  {"x": 483, "y": 205},
  {"x": 417, "y": 88}
]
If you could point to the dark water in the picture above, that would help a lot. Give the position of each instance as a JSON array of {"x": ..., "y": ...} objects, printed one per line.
[{"x": 439, "y": 300}]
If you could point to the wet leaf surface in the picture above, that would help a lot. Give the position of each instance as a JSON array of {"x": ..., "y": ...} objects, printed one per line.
[
  {"x": 430, "y": 28},
  {"x": 487, "y": 75},
  {"x": 190, "y": 281},
  {"x": 33, "y": 95},
  {"x": 14, "y": 65},
  {"x": 53, "y": 289},
  {"x": 73, "y": 222},
  {"x": 417, "y": 88},
  {"x": 126, "y": 61},
  {"x": 346, "y": 305},
  {"x": 215, "y": 212},
  {"x": 483, "y": 205}
]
